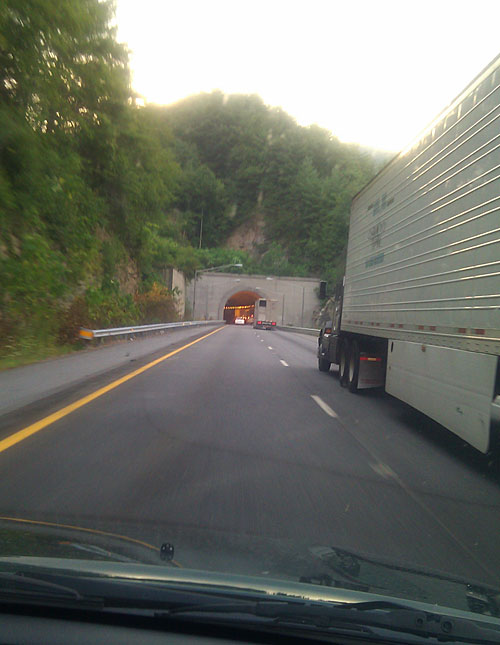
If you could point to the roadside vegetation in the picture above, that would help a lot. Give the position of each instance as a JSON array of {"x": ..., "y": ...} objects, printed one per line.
[{"x": 99, "y": 196}]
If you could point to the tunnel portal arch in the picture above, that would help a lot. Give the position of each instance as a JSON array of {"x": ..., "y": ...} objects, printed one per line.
[
  {"x": 240, "y": 304},
  {"x": 243, "y": 286}
]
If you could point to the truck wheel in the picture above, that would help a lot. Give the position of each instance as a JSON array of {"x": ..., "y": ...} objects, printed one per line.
[
  {"x": 323, "y": 364},
  {"x": 353, "y": 370},
  {"x": 343, "y": 363}
]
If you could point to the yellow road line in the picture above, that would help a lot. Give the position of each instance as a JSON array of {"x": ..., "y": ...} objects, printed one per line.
[
  {"x": 30, "y": 430},
  {"x": 86, "y": 530}
]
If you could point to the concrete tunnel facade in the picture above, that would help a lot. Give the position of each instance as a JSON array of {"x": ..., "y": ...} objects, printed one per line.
[{"x": 297, "y": 298}]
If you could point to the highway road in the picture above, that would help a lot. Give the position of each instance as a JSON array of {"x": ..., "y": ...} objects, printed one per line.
[{"x": 241, "y": 453}]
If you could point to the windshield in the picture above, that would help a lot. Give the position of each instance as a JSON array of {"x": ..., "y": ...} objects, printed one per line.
[{"x": 249, "y": 271}]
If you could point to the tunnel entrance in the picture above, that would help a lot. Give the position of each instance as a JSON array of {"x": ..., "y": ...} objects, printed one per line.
[{"x": 240, "y": 305}]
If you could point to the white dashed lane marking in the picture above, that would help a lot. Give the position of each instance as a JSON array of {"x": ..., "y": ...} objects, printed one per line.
[
  {"x": 284, "y": 363},
  {"x": 269, "y": 347},
  {"x": 384, "y": 470},
  {"x": 324, "y": 406}
]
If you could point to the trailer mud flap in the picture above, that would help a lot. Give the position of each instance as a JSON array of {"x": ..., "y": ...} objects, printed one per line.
[{"x": 371, "y": 371}]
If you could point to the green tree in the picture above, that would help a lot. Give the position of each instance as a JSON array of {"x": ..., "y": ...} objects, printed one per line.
[
  {"x": 94, "y": 189},
  {"x": 202, "y": 200},
  {"x": 60, "y": 64}
]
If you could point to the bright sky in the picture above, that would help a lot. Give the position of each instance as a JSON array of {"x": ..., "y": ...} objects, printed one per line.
[{"x": 373, "y": 72}]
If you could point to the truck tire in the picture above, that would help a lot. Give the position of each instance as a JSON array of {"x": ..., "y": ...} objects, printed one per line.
[
  {"x": 323, "y": 364},
  {"x": 353, "y": 368},
  {"x": 343, "y": 363}
]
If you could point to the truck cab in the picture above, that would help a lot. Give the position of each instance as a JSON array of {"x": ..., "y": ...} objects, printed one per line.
[
  {"x": 329, "y": 333},
  {"x": 361, "y": 359}
]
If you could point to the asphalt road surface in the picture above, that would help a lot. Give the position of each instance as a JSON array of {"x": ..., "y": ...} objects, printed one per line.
[{"x": 240, "y": 452}]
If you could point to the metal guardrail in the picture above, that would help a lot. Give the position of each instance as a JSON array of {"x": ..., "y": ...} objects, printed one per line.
[
  {"x": 300, "y": 330},
  {"x": 90, "y": 334}
]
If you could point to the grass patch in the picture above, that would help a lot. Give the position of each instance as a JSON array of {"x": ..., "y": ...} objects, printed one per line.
[{"x": 25, "y": 355}]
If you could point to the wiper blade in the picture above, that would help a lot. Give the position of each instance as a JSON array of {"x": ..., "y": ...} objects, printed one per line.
[
  {"x": 393, "y": 616},
  {"x": 174, "y": 603},
  {"x": 20, "y": 584},
  {"x": 65, "y": 590}
]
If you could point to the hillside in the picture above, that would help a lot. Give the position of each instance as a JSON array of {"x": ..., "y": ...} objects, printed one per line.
[
  {"x": 285, "y": 186},
  {"x": 99, "y": 197}
]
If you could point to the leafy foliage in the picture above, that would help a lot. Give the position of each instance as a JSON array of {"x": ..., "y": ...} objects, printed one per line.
[
  {"x": 99, "y": 197},
  {"x": 157, "y": 304},
  {"x": 300, "y": 179}
]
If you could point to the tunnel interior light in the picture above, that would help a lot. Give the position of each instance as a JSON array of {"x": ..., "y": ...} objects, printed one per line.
[{"x": 239, "y": 307}]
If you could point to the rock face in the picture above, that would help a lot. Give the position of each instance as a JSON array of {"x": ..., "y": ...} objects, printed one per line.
[
  {"x": 128, "y": 276},
  {"x": 248, "y": 236}
]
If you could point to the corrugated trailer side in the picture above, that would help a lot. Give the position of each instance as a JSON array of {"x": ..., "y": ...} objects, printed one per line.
[
  {"x": 423, "y": 270},
  {"x": 423, "y": 259}
]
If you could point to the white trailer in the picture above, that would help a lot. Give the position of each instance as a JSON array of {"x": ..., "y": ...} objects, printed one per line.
[
  {"x": 265, "y": 313},
  {"x": 421, "y": 299}
]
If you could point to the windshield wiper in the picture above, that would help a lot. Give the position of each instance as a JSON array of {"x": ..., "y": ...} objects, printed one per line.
[
  {"x": 393, "y": 616},
  {"x": 20, "y": 585},
  {"x": 151, "y": 597},
  {"x": 42, "y": 587}
]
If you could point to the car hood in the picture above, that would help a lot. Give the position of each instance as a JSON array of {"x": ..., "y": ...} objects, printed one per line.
[{"x": 316, "y": 572}]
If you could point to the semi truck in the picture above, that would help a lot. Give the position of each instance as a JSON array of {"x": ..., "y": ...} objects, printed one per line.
[
  {"x": 418, "y": 311},
  {"x": 265, "y": 313}
]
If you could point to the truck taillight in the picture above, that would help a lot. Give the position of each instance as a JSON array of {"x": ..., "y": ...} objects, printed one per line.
[
  {"x": 259, "y": 322},
  {"x": 273, "y": 324}
]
